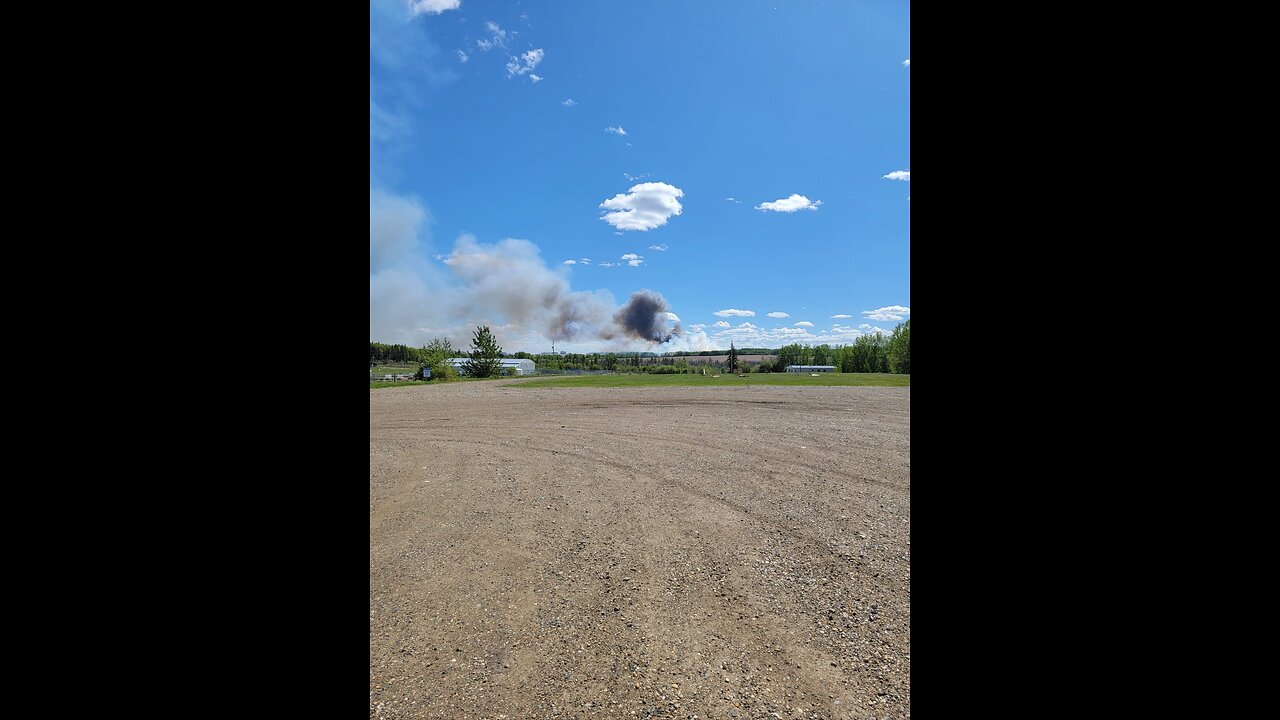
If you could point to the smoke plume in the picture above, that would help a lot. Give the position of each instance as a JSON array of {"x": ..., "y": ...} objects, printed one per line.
[
  {"x": 505, "y": 285},
  {"x": 644, "y": 317}
]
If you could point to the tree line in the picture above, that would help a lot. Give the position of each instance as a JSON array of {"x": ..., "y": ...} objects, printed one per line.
[{"x": 868, "y": 353}]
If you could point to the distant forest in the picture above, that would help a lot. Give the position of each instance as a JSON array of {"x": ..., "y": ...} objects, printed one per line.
[{"x": 868, "y": 353}]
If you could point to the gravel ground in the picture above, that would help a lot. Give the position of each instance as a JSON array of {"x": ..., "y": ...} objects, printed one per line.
[{"x": 673, "y": 552}]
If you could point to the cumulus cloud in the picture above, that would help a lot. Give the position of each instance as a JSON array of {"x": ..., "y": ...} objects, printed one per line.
[
  {"x": 841, "y": 316},
  {"x": 585, "y": 261},
  {"x": 570, "y": 262},
  {"x": 633, "y": 259},
  {"x": 535, "y": 78},
  {"x": 733, "y": 200},
  {"x": 524, "y": 63},
  {"x": 615, "y": 130},
  {"x": 906, "y": 63},
  {"x": 734, "y": 312},
  {"x": 790, "y": 204},
  {"x": 749, "y": 335},
  {"x": 462, "y": 57},
  {"x": 890, "y": 312},
  {"x": 659, "y": 248},
  {"x": 673, "y": 317},
  {"x": 699, "y": 327},
  {"x": 804, "y": 323},
  {"x": 497, "y": 37},
  {"x": 568, "y": 102},
  {"x": 643, "y": 207},
  {"x": 903, "y": 175},
  {"x": 432, "y": 7},
  {"x": 779, "y": 314}
]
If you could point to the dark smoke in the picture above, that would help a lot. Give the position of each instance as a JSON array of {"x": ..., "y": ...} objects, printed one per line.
[{"x": 644, "y": 316}]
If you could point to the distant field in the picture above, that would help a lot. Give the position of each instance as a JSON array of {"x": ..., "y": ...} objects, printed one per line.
[
  {"x": 704, "y": 359},
  {"x": 865, "y": 379},
  {"x": 393, "y": 369}
]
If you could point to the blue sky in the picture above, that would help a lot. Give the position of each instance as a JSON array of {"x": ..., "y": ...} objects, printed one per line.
[{"x": 497, "y": 153}]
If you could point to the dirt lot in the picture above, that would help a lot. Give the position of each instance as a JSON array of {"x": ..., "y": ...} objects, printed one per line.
[{"x": 669, "y": 552}]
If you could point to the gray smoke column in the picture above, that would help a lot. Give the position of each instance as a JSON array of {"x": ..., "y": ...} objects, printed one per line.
[{"x": 644, "y": 316}]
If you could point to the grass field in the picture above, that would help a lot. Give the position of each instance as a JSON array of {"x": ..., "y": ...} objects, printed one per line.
[
  {"x": 393, "y": 369},
  {"x": 794, "y": 379},
  {"x": 378, "y": 385}
]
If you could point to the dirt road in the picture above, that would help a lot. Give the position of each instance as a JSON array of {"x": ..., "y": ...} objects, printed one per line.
[{"x": 639, "y": 552}]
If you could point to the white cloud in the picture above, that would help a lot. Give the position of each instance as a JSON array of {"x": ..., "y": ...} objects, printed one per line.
[
  {"x": 903, "y": 175},
  {"x": 615, "y": 130},
  {"x": 535, "y": 78},
  {"x": 779, "y": 314},
  {"x": 699, "y": 327},
  {"x": 605, "y": 263},
  {"x": 750, "y": 335},
  {"x": 734, "y": 312},
  {"x": 570, "y": 262},
  {"x": 733, "y": 200},
  {"x": 842, "y": 316},
  {"x": 906, "y": 63},
  {"x": 659, "y": 248},
  {"x": 497, "y": 37},
  {"x": 524, "y": 63},
  {"x": 673, "y": 317},
  {"x": 644, "y": 206},
  {"x": 432, "y": 7},
  {"x": 568, "y": 102},
  {"x": 890, "y": 312},
  {"x": 804, "y": 323},
  {"x": 585, "y": 261},
  {"x": 633, "y": 178},
  {"x": 463, "y": 57},
  {"x": 633, "y": 259},
  {"x": 790, "y": 204},
  {"x": 864, "y": 326}
]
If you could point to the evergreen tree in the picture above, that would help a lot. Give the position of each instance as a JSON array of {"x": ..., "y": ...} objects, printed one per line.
[
  {"x": 733, "y": 358},
  {"x": 484, "y": 355}
]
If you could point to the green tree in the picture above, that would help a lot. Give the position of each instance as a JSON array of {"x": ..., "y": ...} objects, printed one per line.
[
  {"x": 733, "y": 358},
  {"x": 484, "y": 355},
  {"x": 822, "y": 354},
  {"x": 787, "y": 355},
  {"x": 900, "y": 349},
  {"x": 435, "y": 355}
]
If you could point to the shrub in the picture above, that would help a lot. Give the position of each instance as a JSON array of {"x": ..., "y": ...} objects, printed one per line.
[{"x": 444, "y": 372}]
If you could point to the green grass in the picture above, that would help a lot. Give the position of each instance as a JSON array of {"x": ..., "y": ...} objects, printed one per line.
[
  {"x": 393, "y": 369},
  {"x": 854, "y": 379},
  {"x": 378, "y": 385}
]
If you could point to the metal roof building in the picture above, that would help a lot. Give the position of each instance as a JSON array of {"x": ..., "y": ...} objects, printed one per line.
[
  {"x": 521, "y": 366},
  {"x": 811, "y": 368}
]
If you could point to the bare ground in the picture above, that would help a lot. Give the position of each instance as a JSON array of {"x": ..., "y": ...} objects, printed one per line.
[{"x": 738, "y": 552}]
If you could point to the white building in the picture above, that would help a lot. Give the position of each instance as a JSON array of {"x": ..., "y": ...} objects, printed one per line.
[
  {"x": 521, "y": 366},
  {"x": 811, "y": 368}
]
